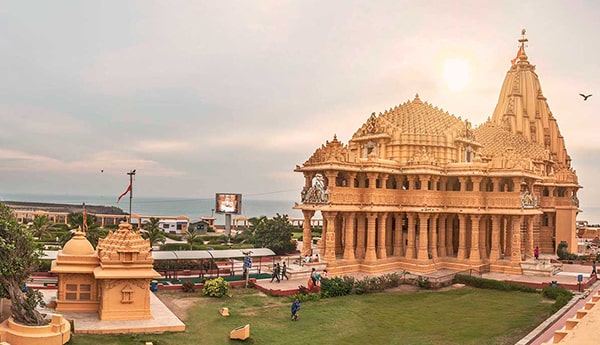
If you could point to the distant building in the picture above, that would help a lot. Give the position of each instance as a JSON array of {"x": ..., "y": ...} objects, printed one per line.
[
  {"x": 417, "y": 188},
  {"x": 200, "y": 226}
]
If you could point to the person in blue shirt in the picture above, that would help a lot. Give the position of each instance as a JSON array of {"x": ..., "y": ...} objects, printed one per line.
[{"x": 295, "y": 308}]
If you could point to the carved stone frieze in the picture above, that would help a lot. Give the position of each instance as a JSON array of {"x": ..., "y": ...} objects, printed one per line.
[
  {"x": 316, "y": 193},
  {"x": 331, "y": 151}
]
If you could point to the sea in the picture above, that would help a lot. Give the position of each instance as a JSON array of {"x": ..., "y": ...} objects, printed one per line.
[
  {"x": 197, "y": 208},
  {"x": 160, "y": 206}
]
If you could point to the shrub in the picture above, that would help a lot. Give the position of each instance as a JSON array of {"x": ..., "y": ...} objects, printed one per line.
[
  {"x": 553, "y": 292},
  {"x": 334, "y": 287},
  {"x": 188, "y": 286},
  {"x": 561, "y": 250},
  {"x": 306, "y": 297},
  {"x": 560, "y": 295},
  {"x": 361, "y": 286},
  {"x": 217, "y": 287},
  {"x": 560, "y": 302},
  {"x": 491, "y": 284},
  {"x": 423, "y": 283}
]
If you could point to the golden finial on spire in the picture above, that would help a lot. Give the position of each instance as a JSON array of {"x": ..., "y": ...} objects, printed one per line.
[{"x": 523, "y": 39}]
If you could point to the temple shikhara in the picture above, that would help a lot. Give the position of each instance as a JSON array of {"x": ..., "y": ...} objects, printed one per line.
[{"x": 420, "y": 189}]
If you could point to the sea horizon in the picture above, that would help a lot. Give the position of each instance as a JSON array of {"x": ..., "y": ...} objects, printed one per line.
[{"x": 194, "y": 208}]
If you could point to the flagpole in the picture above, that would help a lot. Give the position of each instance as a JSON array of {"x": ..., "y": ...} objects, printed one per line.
[{"x": 131, "y": 174}]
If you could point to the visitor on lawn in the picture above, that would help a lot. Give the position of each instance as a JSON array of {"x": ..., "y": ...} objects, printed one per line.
[{"x": 295, "y": 308}]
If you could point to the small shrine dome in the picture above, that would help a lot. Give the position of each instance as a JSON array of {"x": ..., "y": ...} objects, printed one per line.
[{"x": 78, "y": 245}]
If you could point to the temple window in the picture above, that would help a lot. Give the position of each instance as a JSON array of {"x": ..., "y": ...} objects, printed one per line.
[
  {"x": 370, "y": 147},
  {"x": 545, "y": 192},
  {"x": 405, "y": 185},
  {"x": 469, "y": 154},
  {"x": 78, "y": 292},
  {"x": 127, "y": 295},
  {"x": 562, "y": 192},
  {"x": 378, "y": 183},
  {"x": 545, "y": 219},
  {"x": 417, "y": 184}
]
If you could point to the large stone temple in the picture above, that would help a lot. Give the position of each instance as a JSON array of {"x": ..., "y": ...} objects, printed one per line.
[{"x": 420, "y": 189}]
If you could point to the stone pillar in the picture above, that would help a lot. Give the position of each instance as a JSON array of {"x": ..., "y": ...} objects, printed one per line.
[
  {"x": 372, "y": 179},
  {"x": 529, "y": 245},
  {"x": 306, "y": 232},
  {"x": 434, "y": 182},
  {"x": 483, "y": 242},
  {"x": 476, "y": 182},
  {"x": 349, "y": 237},
  {"x": 381, "y": 231},
  {"x": 384, "y": 179},
  {"x": 329, "y": 236},
  {"x": 463, "y": 183},
  {"x": 442, "y": 239},
  {"x": 351, "y": 178},
  {"x": 422, "y": 253},
  {"x": 515, "y": 245},
  {"x": 360, "y": 236},
  {"x": 410, "y": 248},
  {"x": 462, "y": 237},
  {"x": 371, "y": 254},
  {"x": 433, "y": 240},
  {"x": 495, "y": 250},
  {"x": 411, "y": 181},
  {"x": 398, "y": 234},
  {"x": 331, "y": 176},
  {"x": 450, "y": 235},
  {"x": 474, "y": 256}
]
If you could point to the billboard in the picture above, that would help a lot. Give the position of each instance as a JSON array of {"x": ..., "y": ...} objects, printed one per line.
[{"x": 228, "y": 203}]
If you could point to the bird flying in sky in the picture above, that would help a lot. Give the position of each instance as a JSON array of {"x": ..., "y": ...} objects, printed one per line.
[{"x": 584, "y": 96}]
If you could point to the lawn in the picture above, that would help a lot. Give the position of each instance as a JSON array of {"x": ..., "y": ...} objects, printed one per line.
[{"x": 459, "y": 316}]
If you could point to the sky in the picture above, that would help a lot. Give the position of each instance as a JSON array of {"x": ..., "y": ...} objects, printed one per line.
[{"x": 203, "y": 97}]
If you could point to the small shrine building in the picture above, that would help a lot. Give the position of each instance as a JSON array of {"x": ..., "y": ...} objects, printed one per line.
[
  {"x": 420, "y": 189},
  {"x": 113, "y": 279}
]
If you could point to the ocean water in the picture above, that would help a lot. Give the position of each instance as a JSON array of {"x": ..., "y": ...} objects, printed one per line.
[{"x": 193, "y": 208}]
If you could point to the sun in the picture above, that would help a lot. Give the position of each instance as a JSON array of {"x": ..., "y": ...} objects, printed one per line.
[{"x": 457, "y": 73}]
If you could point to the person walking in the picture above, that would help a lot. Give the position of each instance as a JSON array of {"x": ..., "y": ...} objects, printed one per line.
[
  {"x": 276, "y": 271},
  {"x": 284, "y": 272},
  {"x": 313, "y": 276},
  {"x": 295, "y": 308},
  {"x": 536, "y": 252}
]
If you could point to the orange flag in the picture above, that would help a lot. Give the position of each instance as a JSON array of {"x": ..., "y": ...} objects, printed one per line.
[
  {"x": 518, "y": 54},
  {"x": 125, "y": 192}
]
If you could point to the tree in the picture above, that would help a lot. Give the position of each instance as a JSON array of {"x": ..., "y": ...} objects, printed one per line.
[
  {"x": 40, "y": 226},
  {"x": 19, "y": 258},
  {"x": 192, "y": 236},
  {"x": 275, "y": 233},
  {"x": 152, "y": 231},
  {"x": 75, "y": 221},
  {"x": 93, "y": 232}
]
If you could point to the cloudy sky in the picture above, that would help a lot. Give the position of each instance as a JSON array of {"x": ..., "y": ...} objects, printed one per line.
[{"x": 228, "y": 96}]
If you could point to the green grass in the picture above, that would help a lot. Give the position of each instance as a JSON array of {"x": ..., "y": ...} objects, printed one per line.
[{"x": 464, "y": 316}]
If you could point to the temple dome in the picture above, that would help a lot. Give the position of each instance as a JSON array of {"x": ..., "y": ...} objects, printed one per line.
[{"x": 78, "y": 245}]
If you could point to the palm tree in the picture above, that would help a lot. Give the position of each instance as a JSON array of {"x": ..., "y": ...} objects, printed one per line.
[
  {"x": 40, "y": 226},
  {"x": 192, "y": 236},
  {"x": 152, "y": 231}
]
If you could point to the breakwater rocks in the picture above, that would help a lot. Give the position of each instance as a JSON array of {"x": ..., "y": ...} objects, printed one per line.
[{"x": 70, "y": 208}]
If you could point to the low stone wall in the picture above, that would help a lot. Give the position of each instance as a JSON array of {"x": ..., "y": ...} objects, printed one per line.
[{"x": 57, "y": 332}]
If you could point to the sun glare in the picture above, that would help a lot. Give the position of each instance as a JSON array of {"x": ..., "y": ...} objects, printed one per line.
[{"x": 457, "y": 73}]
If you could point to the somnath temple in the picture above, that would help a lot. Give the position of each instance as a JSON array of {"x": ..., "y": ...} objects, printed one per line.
[{"x": 417, "y": 188}]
